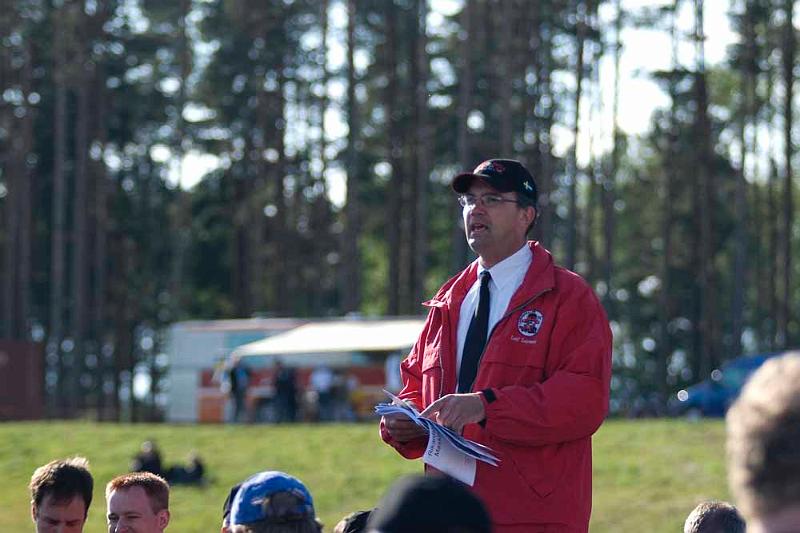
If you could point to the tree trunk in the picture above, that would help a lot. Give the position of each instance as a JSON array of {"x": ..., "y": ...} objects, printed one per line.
[
  {"x": 594, "y": 199},
  {"x": 707, "y": 250},
  {"x": 394, "y": 191},
  {"x": 788, "y": 65},
  {"x": 740, "y": 197},
  {"x": 320, "y": 209},
  {"x": 7, "y": 22},
  {"x": 181, "y": 218},
  {"x": 13, "y": 203},
  {"x": 464, "y": 145},
  {"x": 666, "y": 298},
  {"x": 772, "y": 220},
  {"x": 285, "y": 218},
  {"x": 544, "y": 229},
  {"x": 530, "y": 46},
  {"x": 610, "y": 182},
  {"x": 101, "y": 223},
  {"x": 263, "y": 178},
  {"x": 411, "y": 172},
  {"x": 240, "y": 271},
  {"x": 80, "y": 264},
  {"x": 505, "y": 75},
  {"x": 59, "y": 215},
  {"x": 27, "y": 174},
  {"x": 423, "y": 154},
  {"x": 589, "y": 263},
  {"x": 351, "y": 297},
  {"x": 774, "y": 240},
  {"x": 12, "y": 234},
  {"x": 573, "y": 215}
]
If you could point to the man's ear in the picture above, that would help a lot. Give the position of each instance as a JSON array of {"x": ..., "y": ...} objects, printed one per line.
[
  {"x": 163, "y": 518},
  {"x": 530, "y": 214},
  {"x": 34, "y": 511}
]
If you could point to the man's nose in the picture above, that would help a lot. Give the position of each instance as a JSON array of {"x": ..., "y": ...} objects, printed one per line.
[{"x": 477, "y": 206}]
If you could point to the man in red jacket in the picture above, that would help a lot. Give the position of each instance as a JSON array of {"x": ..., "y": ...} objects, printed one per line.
[{"x": 516, "y": 355}]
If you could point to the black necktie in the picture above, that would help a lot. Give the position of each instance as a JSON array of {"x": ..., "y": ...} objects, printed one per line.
[{"x": 476, "y": 337}]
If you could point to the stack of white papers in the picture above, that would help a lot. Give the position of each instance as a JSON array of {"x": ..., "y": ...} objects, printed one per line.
[{"x": 447, "y": 451}]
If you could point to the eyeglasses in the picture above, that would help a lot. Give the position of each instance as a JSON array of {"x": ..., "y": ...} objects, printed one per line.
[{"x": 486, "y": 200}]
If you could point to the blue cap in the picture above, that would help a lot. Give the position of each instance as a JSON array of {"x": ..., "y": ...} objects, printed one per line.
[
  {"x": 255, "y": 502},
  {"x": 226, "y": 507}
]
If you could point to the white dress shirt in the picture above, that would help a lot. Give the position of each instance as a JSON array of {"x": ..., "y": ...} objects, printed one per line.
[{"x": 507, "y": 276}]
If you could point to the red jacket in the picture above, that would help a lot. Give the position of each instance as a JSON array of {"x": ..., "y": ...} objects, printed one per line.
[{"x": 548, "y": 363}]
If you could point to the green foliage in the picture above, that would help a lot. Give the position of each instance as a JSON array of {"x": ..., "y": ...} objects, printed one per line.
[
  {"x": 249, "y": 81},
  {"x": 646, "y": 473},
  {"x": 375, "y": 275}
]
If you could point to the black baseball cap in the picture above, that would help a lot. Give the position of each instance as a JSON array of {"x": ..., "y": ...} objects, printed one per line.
[
  {"x": 355, "y": 522},
  {"x": 505, "y": 175},
  {"x": 429, "y": 504}
]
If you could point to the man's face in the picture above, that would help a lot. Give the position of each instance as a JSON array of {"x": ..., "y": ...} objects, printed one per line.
[
  {"x": 496, "y": 232},
  {"x": 129, "y": 511},
  {"x": 59, "y": 516}
]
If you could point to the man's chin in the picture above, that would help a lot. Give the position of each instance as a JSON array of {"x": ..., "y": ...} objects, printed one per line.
[{"x": 475, "y": 244}]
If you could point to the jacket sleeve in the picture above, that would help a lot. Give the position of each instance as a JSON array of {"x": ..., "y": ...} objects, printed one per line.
[
  {"x": 572, "y": 401},
  {"x": 411, "y": 373}
]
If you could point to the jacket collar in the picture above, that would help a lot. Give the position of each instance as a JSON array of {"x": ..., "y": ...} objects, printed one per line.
[{"x": 539, "y": 278}]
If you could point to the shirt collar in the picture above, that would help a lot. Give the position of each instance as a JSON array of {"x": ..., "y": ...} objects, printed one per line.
[{"x": 503, "y": 272}]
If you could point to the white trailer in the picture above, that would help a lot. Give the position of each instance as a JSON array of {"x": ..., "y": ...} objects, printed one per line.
[{"x": 195, "y": 346}]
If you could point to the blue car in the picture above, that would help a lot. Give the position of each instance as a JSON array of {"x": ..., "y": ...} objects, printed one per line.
[{"x": 713, "y": 396}]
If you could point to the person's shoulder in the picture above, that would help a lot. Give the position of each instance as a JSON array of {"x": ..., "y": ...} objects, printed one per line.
[
  {"x": 457, "y": 283},
  {"x": 566, "y": 278},
  {"x": 572, "y": 286}
]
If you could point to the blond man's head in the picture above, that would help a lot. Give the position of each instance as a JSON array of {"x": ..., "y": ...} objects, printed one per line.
[
  {"x": 763, "y": 445},
  {"x": 139, "y": 502}
]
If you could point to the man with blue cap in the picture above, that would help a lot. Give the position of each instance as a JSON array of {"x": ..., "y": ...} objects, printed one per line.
[{"x": 273, "y": 502}]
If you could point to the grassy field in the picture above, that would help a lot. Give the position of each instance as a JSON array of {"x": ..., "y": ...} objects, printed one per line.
[{"x": 648, "y": 475}]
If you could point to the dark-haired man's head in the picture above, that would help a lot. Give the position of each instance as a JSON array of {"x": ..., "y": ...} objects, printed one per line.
[
  {"x": 61, "y": 493},
  {"x": 714, "y": 517}
]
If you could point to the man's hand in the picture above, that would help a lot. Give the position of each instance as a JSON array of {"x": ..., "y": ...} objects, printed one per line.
[
  {"x": 401, "y": 428},
  {"x": 456, "y": 410}
]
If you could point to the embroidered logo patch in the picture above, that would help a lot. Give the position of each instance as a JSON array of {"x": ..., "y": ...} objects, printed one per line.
[
  {"x": 530, "y": 322},
  {"x": 491, "y": 166}
]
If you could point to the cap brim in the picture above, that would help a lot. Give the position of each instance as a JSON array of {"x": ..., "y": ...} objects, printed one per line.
[{"x": 462, "y": 182}]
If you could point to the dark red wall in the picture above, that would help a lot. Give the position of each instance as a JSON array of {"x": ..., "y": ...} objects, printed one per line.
[{"x": 21, "y": 380}]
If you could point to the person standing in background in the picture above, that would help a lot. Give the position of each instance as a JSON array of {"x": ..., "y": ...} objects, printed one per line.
[{"x": 239, "y": 379}]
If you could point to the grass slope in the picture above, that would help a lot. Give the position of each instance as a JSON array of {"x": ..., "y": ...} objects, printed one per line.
[{"x": 648, "y": 475}]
